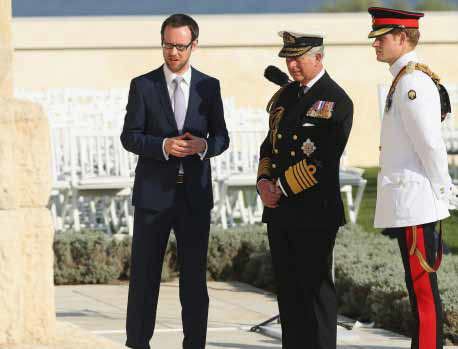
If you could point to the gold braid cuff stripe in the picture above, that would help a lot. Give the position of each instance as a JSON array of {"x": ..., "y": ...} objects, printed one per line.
[
  {"x": 292, "y": 181},
  {"x": 264, "y": 167},
  {"x": 300, "y": 176}
]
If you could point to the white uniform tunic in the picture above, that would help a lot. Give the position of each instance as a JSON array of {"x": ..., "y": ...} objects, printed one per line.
[{"x": 413, "y": 185}]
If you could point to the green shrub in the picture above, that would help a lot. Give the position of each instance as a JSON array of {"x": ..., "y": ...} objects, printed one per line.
[
  {"x": 369, "y": 273},
  {"x": 85, "y": 258},
  {"x": 94, "y": 258},
  {"x": 230, "y": 251},
  {"x": 370, "y": 282}
]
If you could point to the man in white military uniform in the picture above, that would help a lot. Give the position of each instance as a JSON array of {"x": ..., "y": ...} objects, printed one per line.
[{"x": 414, "y": 186}]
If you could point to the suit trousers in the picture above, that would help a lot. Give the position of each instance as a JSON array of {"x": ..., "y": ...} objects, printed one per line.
[
  {"x": 151, "y": 234},
  {"x": 302, "y": 261},
  {"x": 422, "y": 286}
]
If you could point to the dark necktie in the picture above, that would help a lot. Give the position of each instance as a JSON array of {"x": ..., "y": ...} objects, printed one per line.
[{"x": 303, "y": 90}]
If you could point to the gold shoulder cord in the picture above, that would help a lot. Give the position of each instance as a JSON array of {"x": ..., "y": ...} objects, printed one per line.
[
  {"x": 415, "y": 251},
  {"x": 409, "y": 68},
  {"x": 275, "y": 98},
  {"x": 425, "y": 69},
  {"x": 275, "y": 114}
]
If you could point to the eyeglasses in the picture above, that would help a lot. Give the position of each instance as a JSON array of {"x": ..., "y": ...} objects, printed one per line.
[{"x": 179, "y": 47}]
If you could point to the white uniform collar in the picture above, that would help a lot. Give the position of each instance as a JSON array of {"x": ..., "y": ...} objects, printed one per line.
[
  {"x": 169, "y": 75},
  {"x": 315, "y": 79},
  {"x": 402, "y": 61}
]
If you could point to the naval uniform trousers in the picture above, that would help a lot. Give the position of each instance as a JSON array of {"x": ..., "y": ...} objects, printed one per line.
[
  {"x": 151, "y": 234},
  {"x": 422, "y": 286},
  {"x": 302, "y": 262}
]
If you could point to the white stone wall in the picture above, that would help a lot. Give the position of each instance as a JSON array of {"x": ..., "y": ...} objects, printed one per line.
[{"x": 107, "y": 52}]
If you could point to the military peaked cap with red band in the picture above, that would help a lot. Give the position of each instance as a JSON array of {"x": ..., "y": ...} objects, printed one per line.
[{"x": 385, "y": 20}]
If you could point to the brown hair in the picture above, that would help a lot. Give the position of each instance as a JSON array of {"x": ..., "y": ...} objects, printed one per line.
[
  {"x": 181, "y": 20},
  {"x": 412, "y": 34}
]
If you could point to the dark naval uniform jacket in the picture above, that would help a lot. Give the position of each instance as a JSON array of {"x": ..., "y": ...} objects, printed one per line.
[{"x": 301, "y": 153}]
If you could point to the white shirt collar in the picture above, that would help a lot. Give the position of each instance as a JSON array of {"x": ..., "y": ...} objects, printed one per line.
[
  {"x": 402, "y": 61},
  {"x": 169, "y": 75},
  {"x": 315, "y": 79}
]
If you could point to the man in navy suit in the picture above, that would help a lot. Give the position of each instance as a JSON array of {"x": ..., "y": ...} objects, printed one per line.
[{"x": 175, "y": 123}]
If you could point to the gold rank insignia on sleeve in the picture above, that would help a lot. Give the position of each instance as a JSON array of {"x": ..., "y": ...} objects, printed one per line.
[
  {"x": 412, "y": 94},
  {"x": 321, "y": 109},
  {"x": 264, "y": 167},
  {"x": 300, "y": 176}
]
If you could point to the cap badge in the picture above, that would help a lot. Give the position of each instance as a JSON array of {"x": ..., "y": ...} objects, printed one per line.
[
  {"x": 412, "y": 94},
  {"x": 288, "y": 38}
]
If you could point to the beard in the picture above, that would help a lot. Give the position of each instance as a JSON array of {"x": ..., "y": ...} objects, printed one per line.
[{"x": 176, "y": 66}]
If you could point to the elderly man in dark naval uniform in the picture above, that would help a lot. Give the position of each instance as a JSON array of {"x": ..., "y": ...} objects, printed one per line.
[{"x": 298, "y": 181}]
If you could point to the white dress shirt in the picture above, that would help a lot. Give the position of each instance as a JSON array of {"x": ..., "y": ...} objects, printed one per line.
[{"x": 185, "y": 85}]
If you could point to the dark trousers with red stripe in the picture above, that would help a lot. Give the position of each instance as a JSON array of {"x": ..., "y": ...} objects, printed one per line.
[
  {"x": 302, "y": 262},
  {"x": 422, "y": 286}
]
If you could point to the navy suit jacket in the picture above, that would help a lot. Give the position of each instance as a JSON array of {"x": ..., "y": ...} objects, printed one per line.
[{"x": 150, "y": 119}]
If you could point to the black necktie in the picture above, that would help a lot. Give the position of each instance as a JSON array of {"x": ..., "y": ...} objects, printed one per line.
[{"x": 303, "y": 90}]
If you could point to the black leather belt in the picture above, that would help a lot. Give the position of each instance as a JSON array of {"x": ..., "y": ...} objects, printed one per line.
[{"x": 180, "y": 178}]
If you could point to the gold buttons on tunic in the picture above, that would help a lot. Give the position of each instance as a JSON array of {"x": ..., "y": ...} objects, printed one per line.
[
  {"x": 293, "y": 153},
  {"x": 295, "y": 137},
  {"x": 274, "y": 166},
  {"x": 276, "y": 151},
  {"x": 279, "y": 136}
]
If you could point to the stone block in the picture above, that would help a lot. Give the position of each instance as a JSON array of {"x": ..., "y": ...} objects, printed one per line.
[
  {"x": 6, "y": 72},
  {"x": 32, "y": 155},
  {"x": 11, "y": 278},
  {"x": 26, "y": 277},
  {"x": 6, "y": 51},
  {"x": 8, "y": 189},
  {"x": 38, "y": 279},
  {"x": 25, "y": 155},
  {"x": 5, "y": 23}
]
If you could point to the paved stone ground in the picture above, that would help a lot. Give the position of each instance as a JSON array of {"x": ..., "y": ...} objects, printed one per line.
[
  {"x": 93, "y": 316},
  {"x": 234, "y": 308}
]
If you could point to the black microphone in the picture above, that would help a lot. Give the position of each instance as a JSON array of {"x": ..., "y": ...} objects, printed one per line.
[{"x": 275, "y": 75}]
